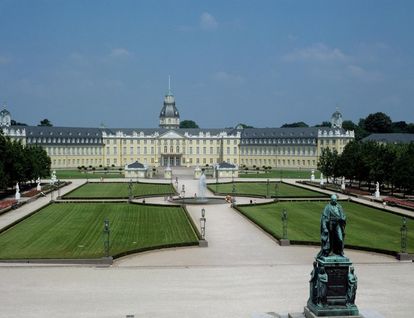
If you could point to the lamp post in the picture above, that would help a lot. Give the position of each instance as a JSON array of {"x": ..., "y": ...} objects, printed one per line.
[
  {"x": 130, "y": 190},
  {"x": 58, "y": 188},
  {"x": 183, "y": 191},
  {"x": 216, "y": 177},
  {"x": 276, "y": 191},
  {"x": 267, "y": 188},
  {"x": 203, "y": 242},
  {"x": 403, "y": 230},
  {"x": 284, "y": 224},
  {"x": 106, "y": 232},
  {"x": 233, "y": 195}
]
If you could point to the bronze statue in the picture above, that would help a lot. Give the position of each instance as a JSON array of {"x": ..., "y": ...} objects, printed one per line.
[
  {"x": 352, "y": 287},
  {"x": 322, "y": 287},
  {"x": 333, "y": 223},
  {"x": 313, "y": 291}
]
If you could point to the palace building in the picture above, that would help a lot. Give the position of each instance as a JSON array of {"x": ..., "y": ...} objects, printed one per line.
[{"x": 169, "y": 145}]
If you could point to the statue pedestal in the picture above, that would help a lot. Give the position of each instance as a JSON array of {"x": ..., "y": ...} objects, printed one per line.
[
  {"x": 308, "y": 314},
  {"x": 331, "y": 293}
]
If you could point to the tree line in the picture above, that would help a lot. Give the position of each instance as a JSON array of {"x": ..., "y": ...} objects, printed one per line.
[
  {"x": 371, "y": 162},
  {"x": 19, "y": 163},
  {"x": 372, "y": 124}
]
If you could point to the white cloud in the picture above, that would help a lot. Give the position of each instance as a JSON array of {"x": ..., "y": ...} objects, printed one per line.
[
  {"x": 208, "y": 22},
  {"x": 318, "y": 52},
  {"x": 363, "y": 74},
  {"x": 4, "y": 60},
  {"x": 227, "y": 77},
  {"x": 120, "y": 53}
]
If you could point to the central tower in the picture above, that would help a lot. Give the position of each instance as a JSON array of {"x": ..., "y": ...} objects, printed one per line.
[{"x": 169, "y": 115}]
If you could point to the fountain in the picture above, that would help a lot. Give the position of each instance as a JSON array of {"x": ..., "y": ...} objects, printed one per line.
[{"x": 200, "y": 197}]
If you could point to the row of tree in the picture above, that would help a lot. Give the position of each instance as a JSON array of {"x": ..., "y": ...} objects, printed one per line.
[
  {"x": 371, "y": 162},
  {"x": 20, "y": 163}
]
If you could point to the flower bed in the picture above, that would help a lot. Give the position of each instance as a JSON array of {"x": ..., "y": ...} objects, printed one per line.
[
  {"x": 7, "y": 203},
  {"x": 30, "y": 193},
  {"x": 399, "y": 202}
]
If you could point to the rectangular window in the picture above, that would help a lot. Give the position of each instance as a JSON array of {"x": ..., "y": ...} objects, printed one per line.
[{"x": 131, "y": 150}]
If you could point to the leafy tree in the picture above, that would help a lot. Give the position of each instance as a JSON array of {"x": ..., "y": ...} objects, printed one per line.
[
  {"x": 324, "y": 124},
  {"x": 244, "y": 126},
  {"x": 16, "y": 123},
  {"x": 403, "y": 175},
  {"x": 399, "y": 127},
  {"x": 328, "y": 162},
  {"x": 296, "y": 124},
  {"x": 377, "y": 123},
  {"x": 45, "y": 123},
  {"x": 188, "y": 124}
]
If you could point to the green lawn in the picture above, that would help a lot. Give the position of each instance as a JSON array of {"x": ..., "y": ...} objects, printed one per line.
[
  {"x": 366, "y": 227},
  {"x": 260, "y": 188},
  {"x": 289, "y": 174},
  {"x": 75, "y": 230},
  {"x": 76, "y": 174},
  {"x": 119, "y": 190}
]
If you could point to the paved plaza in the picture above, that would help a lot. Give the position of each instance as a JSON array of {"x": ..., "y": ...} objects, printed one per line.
[{"x": 242, "y": 273}]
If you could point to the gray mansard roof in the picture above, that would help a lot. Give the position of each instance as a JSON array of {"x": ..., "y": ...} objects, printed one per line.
[
  {"x": 281, "y": 132},
  {"x": 65, "y": 135},
  {"x": 394, "y": 138}
]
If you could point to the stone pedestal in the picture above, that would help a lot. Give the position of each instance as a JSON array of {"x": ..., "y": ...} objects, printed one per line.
[
  {"x": 197, "y": 173},
  {"x": 202, "y": 243},
  {"x": 308, "y": 314},
  {"x": 332, "y": 288},
  {"x": 284, "y": 242},
  {"x": 167, "y": 173}
]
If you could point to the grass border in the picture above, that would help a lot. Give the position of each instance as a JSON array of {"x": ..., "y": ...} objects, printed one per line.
[
  {"x": 323, "y": 195},
  {"x": 121, "y": 198},
  {"x": 312, "y": 243},
  {"x": 103, "y": 260}
]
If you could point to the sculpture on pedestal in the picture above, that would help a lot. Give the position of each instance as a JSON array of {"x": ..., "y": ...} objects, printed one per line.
[
  {"x": 352, "y": 287},
  {"x": 333, "y": 223},
  {"x": 322, "y": 283},
  {"x": 333, "y": 283}
]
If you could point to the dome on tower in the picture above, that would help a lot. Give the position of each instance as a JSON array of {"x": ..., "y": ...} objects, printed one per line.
[
  {"x": 169, "y": 115},
  {"x": 5, "y": 118},
  {"x": 336, "y": 119}
]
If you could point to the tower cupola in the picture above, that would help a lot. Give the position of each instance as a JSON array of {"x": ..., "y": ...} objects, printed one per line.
[{"x": 169, "y": 115}]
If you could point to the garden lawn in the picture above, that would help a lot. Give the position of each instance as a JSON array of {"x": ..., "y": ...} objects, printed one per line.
[
  {"x": 260, "y": 188},
  {"x": 76, "y": 174},
  {"x": 366, "y": 226},
  {"x": 287, "y": 174},
  {"x": 75, "y": 230},
  {"x": 119, "y": 190}
]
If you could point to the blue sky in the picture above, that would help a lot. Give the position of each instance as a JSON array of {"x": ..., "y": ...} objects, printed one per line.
[{"x": 264, "y": 63}]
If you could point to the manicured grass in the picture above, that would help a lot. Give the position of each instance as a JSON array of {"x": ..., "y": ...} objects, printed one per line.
[
  {"x": 287, "y": 174},
  {"x": 260, "y": 188},
  {"x": 366, "y": 227},
  {"x": 118, "y": 190},
  {"x": 76, "y": 174},
  {"x": 75, "y": 230}
]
